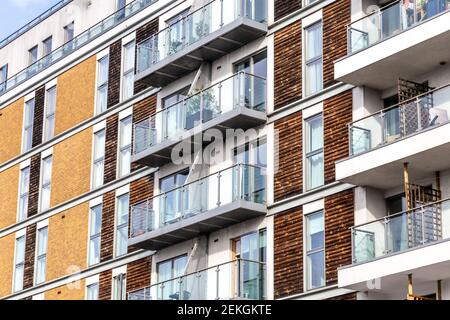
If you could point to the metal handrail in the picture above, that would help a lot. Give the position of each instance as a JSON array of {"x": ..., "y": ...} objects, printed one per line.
[
  {"x": 196, "y": 181},
  {"x": 400, "y": 213},
  {"x": 47, "y": 13},
  {"x": 263, "y": 264},
  {"x": 32, "y": 68},
  {"x": 405, "y": 102}
]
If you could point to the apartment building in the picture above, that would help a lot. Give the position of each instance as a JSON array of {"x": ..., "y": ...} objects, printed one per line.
[{"x": 225, "y": 149}]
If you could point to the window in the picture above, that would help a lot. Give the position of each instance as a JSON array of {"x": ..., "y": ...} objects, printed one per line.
[
  {"x": 69, "y": 32},
  {"x": 122, "y": 225},
  {"x": 3, "y": 75},
  {"x": 95, "y": 230},
  {"x": 315, "y": 257},
  {"x": 23, "y": 193},
  {"x": 125, "y": 131},
  {"x": 119, "y": 287},
  {"x": 32, "y": 55},
  {"x": 314, "y": 152},
  {"x": 178, "y": 29},
  {"x": 41, "y": 255},
  {"x": 47, "y": 46},
  {"x": 171, "y": 203},
  {"x": 313, "y": 59},
  {"x": 99, "y": 159},
  {"x": 46, "y": 183},
  {"x": 92, "y": 292},
  {"x": 128, "y": 71},
  {"x": 28, "y": 125},
  {"x": 307, "y": 2},
  {"x": 102, "y": 84},
  {"x": 120, "y": 5},
  {"x": 171, "y": 270},
  {"x": 50, "y": 108},
  {"x": 19, "y": 264}
]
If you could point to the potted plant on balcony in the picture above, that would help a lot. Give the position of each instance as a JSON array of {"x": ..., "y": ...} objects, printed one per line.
[
  {"x": 192, "y": 110},
  {"x": 210, "y": 106}
]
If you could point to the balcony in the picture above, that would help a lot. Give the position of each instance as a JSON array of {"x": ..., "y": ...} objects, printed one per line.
[
  {"x": 416, "y": 131},
  {"x": 234, "y": 280},
  {"x": 412, "y": 242},
  {"x": 76, "y": 43},
  {"x": 236, "y": 102},
  {"x": 219, "y": 27},
  {"x": 214, "y": 202},
  {"x": 404, "y": 39}
]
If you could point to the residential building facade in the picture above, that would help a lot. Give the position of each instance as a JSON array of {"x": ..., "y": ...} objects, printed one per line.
[{"x": 225, "y": 149}]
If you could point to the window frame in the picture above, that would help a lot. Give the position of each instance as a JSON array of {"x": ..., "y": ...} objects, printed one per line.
[
  {"x": 308, "y": 252},
  {"x": 100, "y": 86},
  {"x": 310, "y": 154},
  {"x": 27, "y": 145},
  {"x": 3, "y": 75},
  {"x": 95, "y": 236},
  {"x": 100, "y": 160},
  {"x": 121, "y": 279},
  {"x": 308, "y": 62},
  {"x": 44, "y": 184},
  {"x": 21, "y": 237},
  {"x": 122, "y": 148},
  {"x": 39, "y": 257},
  {"x": 69, "y": 29},
  {"x": 127, "y": 72},
  {"x": 21, "y": 216},
  {"x": 47, "y": 45},
  {"x": 33, "y": 58},
  {"x": 47, "y": 137},
  {"x": 90, "y": 286},
  {"x": 120, "y": 226}
]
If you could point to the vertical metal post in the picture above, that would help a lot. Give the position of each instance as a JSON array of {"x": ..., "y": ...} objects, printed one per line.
[
  {"x": 386, "y": 235},
  {"x": 439, "y": 290},
  {"x": 410, "y": 287},
  {"x": 423, "y": 224},
  {"x": 419, "y": 115},
  {"x": 217, "y": 282},
  {"x": 219, "y": 175},
  {"x": 221, "y": 13},
  {"x": 406, "y": 185}
]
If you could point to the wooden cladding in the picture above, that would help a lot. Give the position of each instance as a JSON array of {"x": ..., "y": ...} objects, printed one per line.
[
  {"x": 105, "y": 285},
  {"x": 30, "y": 248},
  {"x": 115, "y": 63},
  {"x": 107, "y": 233},
  {"x": 139, "y": 274},
  {"x": 288, "y": 171},
  {"x": 33, "y": 191},
  {"x": 288, "y": 65},
  {"x": 111, "y": 141},
  {"x": 336, "y": 17},
  {"x": 339, "y": 217},
  {"x": 288, "y": 253},
  {"x": 337, "y": 114},
  {"x": 38, "y": 118},
  {"x": 283, "y": 8}
]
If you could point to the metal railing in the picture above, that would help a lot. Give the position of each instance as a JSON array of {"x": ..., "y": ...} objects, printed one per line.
[
  {"x": 238, "y": 279},
  {"x": 79, "y": 41},
  {"x": 391, "y": 20},
  {"x": 33, "y": 22},
  {"x": 194, "y": 27},
  {"x": 239, "y": 90},
  {"x": 239, "y": 182},
  {"x": 404, "y": 119},
  {"x": 398, "y": 232}
]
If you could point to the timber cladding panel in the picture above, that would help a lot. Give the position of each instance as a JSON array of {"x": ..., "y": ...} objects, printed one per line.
[
  {"x": 104, "y": 285},
  {"x": 288, "y": 179},
  {"x": 107, "y": 234},
  {"x": 38, "y": 120},
  {"x": 30, "y": 248},
  {"x": 337, "y": 114},
  {"x": 9, "y": 182},
  {"x": 288, "y": 65},
  {"x": 143, "y": 33},
  {"x": 11, "y": 120},
  {"x": 71, "y": 167},
  {"x": 33, "y": 192},
  {"x": 67, "y": 242},
  {"x": 75, "y": 95},
  {"x": 288, "y": 253},
  {"x": 336, "y": 17},
  {"x": 115, "y": 63},
  {"x": 7, "y": 245},
  {"x": 138, "y": 274},
  {"x": 72, "y": 291},
  {"x": 111, "y": 140},
  {"x": 339, "y": 217},
  {"x": 285, "y": 7}
]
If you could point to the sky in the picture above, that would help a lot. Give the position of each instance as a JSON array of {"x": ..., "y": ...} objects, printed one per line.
[{"x": 16, "y": 13}]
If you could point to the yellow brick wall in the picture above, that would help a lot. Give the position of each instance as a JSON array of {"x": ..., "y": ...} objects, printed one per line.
[
  {"x": 75, "y": 95},
  {"x": 71, "y": 167},
  {"x": 6, "y": 264},
  {"x": 72, "y": 291},
  {"x": 9, "y": 187},
  {"x": 67, "y": 242},
  {"x": 11, "y": 119}
]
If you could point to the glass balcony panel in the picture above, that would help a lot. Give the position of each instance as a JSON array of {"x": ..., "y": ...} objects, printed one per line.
[{"x": 369, "y": 241}]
